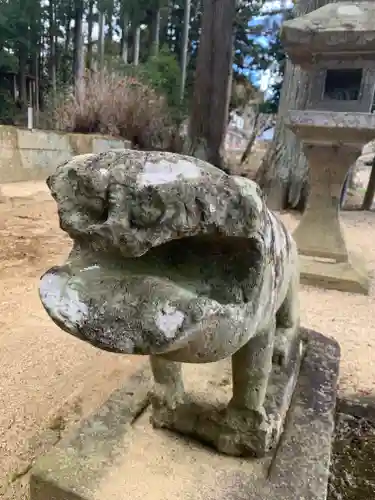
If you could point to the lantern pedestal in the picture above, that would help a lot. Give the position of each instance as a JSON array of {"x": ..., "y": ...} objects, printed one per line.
[
  {"x": 324, "y": 256},
  {"x": 336, "y": 45},
  {"x": 351, "y": 276}
]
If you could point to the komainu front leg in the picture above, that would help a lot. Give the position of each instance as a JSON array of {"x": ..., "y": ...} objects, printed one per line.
[
  {"x": 251, "y": 368},
  {"x": 287, "y": 337},
  {"x": 168, "y": 391},
  {"x": 246, "y": 419}
]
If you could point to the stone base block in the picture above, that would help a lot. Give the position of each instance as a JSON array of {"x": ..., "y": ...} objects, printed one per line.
[
  {"x": 233, "y": 431},
  {"x": 350, "y": 276},
  {"x": 117, "y": 454}
]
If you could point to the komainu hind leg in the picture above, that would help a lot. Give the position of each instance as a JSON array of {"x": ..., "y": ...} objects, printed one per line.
[
  {"x": 251, "y": 368},
  {"x": 246, "y": 416}
]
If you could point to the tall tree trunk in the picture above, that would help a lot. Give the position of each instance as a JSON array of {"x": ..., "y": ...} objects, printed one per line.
[
  {"x": 37, "y": 89},
  {"x": 90, "y": 22},
  {"x": 283, "y": 173},
  {"x": 155, "y": 42},
  {"x": 185, "y": 47},
  {"x": 78, "y": 46},
  {"x": 22, "y": 72},
  {"x": 66, "y": 56},
  {"x": 101, "y": 41},
  {"x": 125, "y": 38},
  {"x": 209, "y": 115},
  {"x": 253, "y": 135},
  {"x": 52, "y": 44},
  {"x": 36, "y": 39},
  {"x": 109, "y": 34},
  {"x": 80, "y": 67},
  {"x": 136, "y": 44}
]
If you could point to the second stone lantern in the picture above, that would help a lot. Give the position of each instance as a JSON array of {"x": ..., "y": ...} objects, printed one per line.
[{"x": 336, "y": 43}]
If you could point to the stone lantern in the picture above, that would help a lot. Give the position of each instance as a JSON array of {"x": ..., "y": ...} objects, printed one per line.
[{"x": 336, "y": 44}]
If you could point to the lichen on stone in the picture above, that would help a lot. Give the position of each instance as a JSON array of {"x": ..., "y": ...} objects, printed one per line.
[{"x": 170, "y": 254}]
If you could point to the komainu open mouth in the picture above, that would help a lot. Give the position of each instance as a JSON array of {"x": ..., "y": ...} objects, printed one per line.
[
  {"x": 170, "y": 256},
  {"x": 159, "y": 302}
]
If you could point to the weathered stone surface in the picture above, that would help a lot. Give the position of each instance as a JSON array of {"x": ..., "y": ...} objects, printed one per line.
[
  {"x": 336, "y": 43},
  {"x": 325, "y": 260},
  {"x": 70, "y": 470},
  {"x": 31, "y": 155},
  {"x": 348, "y": 276},
  {"x": 171, "y": 241},
  {"x": 235, "y": 431},
  {"x": 335, "y": 27},
  {"x": 353, "y": 128},
  {"x": 115, "y": 456},
  {"x": 175, "y": 259}
]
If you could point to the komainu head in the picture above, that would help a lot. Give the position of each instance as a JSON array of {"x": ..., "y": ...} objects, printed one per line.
[{"x": 168, "y": 254}]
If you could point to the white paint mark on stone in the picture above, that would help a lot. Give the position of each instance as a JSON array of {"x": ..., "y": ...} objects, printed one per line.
[
  {"x": 61, "y": 301},
  {"x": 169, "y": 319},
  {"x": 349, "y": 10},
  {"x": 164, "y": 172}
]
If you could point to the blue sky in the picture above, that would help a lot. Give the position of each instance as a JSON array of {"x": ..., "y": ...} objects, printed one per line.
[{"x": 268, "y": 22}]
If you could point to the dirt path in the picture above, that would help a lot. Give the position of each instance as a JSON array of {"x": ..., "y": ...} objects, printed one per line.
[
  {"x": 349, "y": 318},
  {"x": 48, "y": 379}
]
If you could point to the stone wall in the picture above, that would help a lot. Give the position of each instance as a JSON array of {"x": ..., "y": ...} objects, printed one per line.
[{"x": 32, "y": 155}]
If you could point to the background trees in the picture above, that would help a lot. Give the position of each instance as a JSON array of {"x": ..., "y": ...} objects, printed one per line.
[
  {"x": 45, "y": 45},
  {"x": 283, "y": 173},
  {"x": 48, "y": 47}
]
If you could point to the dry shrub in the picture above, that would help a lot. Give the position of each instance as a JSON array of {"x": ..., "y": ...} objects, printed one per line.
[{"x": 119, "y": 106}]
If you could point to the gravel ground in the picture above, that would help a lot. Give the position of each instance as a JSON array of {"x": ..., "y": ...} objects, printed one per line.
[
  {"x": 50, "y": 380},
  {"x": 347, "y": 317}
]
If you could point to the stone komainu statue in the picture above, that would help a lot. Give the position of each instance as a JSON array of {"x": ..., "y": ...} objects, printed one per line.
[{"x": 175, "y": 259}]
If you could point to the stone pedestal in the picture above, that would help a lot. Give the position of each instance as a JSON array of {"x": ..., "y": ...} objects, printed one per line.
[
  {"x": 332, "y": 142},
  {"x": 232, "y": 430},
  {"x": 325, "y": 259},
  {"x": 336, "y": 45},
  {"x": 117, "y": 455}
]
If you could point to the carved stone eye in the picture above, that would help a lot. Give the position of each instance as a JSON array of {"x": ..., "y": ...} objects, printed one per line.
[{"x": 147, "y": 209}]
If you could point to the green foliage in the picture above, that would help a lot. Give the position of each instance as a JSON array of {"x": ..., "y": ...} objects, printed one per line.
[
  {"x": 163, "y": 73},
  {"x": 277, "y": 53},
  {"x": 244, "y": 44},
  {"x": 8, "y": 108},
  {"x": 8, "y": 61}
]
